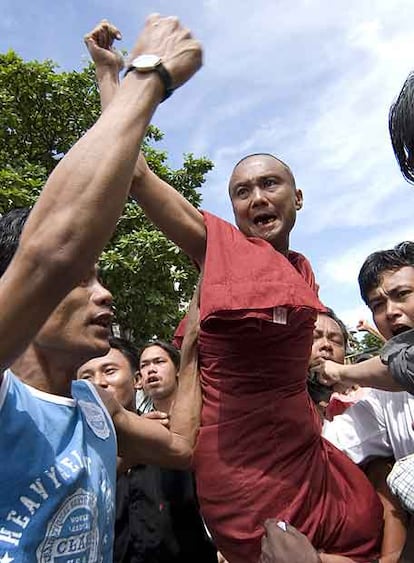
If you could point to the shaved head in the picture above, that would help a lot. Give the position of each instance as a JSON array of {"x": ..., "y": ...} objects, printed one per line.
[{"x": 252, "y": 155}]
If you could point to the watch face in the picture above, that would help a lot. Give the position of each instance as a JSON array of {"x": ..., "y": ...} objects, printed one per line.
[{"x": 146, "y": 62}]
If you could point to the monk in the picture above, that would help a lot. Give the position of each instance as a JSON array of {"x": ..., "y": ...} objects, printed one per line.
[{"x": 259, "y": 452}]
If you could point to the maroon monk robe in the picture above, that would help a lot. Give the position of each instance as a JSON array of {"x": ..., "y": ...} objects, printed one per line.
[{"x": 259, "y": 453}]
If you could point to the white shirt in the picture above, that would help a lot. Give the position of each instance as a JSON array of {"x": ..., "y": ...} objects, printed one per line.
[{"x": 379, "y": 425}]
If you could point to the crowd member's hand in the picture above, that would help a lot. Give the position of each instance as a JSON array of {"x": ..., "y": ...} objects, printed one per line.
[
  {"x": 220, "y": 558},
  {"x": 363, "y": 325},
  {"x": 100, "y": 42},
  {"x": 161, "y": 417},
  {"x": 290, "y": 546},
  {"x": 181, "y": 55},
  {"x": 331, "y": 374}
]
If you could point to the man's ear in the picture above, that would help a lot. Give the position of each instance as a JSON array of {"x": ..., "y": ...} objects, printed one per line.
[
  {"x": 137, "y": 381},
  {"x": 298, "y": 199}
]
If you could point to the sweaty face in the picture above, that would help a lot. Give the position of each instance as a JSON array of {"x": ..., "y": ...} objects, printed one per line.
[
  {"x": 392, "y": 302},
  {"x": 80, "y": 325},
  {"x": 328, "y": 341},
  {"x": 158, "y": 373},
  {"x": 265, "y": 200},
  {"x": 114, "y": 373}
]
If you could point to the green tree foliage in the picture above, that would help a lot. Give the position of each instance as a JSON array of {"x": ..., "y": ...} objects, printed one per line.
[
  {"x": 43, "y": 112},
  {"x": 371, "y": 343}
]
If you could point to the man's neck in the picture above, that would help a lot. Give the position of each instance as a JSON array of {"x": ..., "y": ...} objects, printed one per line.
[
  {"x": 43, "y": 372},
  {"x": 165, "y": 404}
]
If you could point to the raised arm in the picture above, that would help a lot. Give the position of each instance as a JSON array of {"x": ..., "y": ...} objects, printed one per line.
[
  {"x": 108, "y": 61},
  {"x": 141, "y": 440},
  {"x": 163, "y": 205},
  {"x": 84, "y": 196},
  {"x": 364, "y": 326}
]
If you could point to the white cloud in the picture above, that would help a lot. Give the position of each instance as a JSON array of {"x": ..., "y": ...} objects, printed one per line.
[{"x": 344, "y": 269}]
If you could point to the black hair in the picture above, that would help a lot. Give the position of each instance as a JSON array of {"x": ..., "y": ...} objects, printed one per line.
[
  {"x": 384, "y": 261},
  {"x": 171, "y": 350},
  {"x": 330, "y": 313},
  {"x": 401, "y": 127},
  {"x": 127, "y": 349},
  {"x": 271, "y": 156},
  {"x": 11, "y": 227}
]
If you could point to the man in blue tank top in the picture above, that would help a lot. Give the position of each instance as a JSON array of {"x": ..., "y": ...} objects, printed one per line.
[{"x": 57, "y": 437}]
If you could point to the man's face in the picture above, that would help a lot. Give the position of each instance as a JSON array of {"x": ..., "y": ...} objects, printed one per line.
[
  {"x": 114, "y": 373},
  {"x": 265, "y": 200},
  {"x": 392, "y": 302},
  {"x": 158, "y": 373},
  {"x": 328, "y": 341},
  {"x": 79, "y": 327}
]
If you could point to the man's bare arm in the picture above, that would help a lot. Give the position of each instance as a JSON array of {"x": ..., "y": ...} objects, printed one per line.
[
  {"x": 395, "y": 518},
  {"x": 371, "y": 373},
  {"x": 163, "y": 205},
  {"x": 141, "y": 440},
  {"x": 84, "y": 196},
  {"x": 108, "y": 61}
]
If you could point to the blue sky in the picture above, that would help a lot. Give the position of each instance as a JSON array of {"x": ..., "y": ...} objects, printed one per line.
[{"x": 308, "y": 80}]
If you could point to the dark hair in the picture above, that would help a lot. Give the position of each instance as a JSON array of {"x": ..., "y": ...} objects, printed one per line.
[
  {"x": 169, "y": 348},
  {"x": 11, "y": 227},
  {"x": 383, "y": 261},
  {"x": 127, "y": 349},
  {"x": 330, "y": 313},
  {"x": 271, "y": 156},
  {"x": 401, "y": 127}
]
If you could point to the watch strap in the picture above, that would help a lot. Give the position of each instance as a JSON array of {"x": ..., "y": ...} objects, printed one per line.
[{"x": 162, "y": 73}]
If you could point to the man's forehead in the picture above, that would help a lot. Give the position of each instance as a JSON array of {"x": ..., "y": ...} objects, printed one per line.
[
  {"x": 154, "y": 352},
  {"x": 324, "y": 321},
  {"x": 391, "y": 279},
  {"x": 256, "y": 165},
  {"x": 113, "y": 356}
]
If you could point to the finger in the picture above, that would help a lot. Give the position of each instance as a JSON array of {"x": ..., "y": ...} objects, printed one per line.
[
  {"x": 271, "y": 525},
  {"x": 113, "y": 32},
  {"x": 104, "y": 40},
  {"x": 157, "y": 414},
  {"x": 186, "y": 34},
  {"x": 160, "y": 414},
  {"x": 153, "y": 19},
  {"x": 325, "y": 380},
  {"x": 173, "y": 22}
]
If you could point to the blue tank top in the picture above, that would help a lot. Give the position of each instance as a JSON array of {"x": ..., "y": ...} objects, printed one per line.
[{"x": 57, "y": 475}]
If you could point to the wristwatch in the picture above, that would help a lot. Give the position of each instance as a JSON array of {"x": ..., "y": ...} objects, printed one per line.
[{"x": 153, "y": 63}]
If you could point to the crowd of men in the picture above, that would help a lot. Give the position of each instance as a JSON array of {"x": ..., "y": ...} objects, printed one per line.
[{"x": 236, "y": 452}]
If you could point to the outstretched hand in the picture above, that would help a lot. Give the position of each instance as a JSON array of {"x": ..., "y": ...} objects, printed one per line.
[
  {"x": 100, "y": 42},
  {"x": 280, "y": 545}
]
